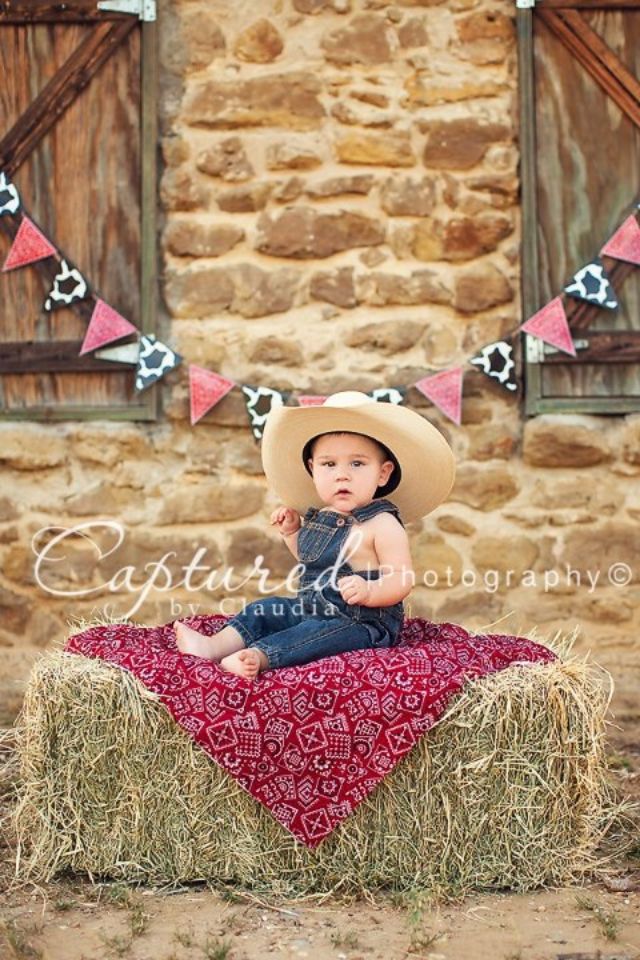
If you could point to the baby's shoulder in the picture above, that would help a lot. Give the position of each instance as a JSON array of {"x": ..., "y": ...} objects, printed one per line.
[{"x": 383, "y": 522}]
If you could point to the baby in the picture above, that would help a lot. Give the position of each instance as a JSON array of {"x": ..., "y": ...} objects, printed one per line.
[{"x": 353, "y": 549}]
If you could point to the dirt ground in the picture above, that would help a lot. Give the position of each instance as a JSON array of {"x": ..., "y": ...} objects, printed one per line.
[
  {"x": 74, "y": 920},
  {"x": 78, "y": 921}
]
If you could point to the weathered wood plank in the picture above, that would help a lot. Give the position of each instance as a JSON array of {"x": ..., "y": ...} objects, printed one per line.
[
  {"x": 608, "y": 80},
  {"x": 133, "y": 410},
  {"x": 530, "y": 272},
  {"x": 60, "y": 92},
  {"x": 60, "y": 356},
  {"x": 43, "y": 11},
  {"x": 604, "y": 346},
  {"x": 579, "y": 205},
  {"x": 589, "y": 381},
  {"x": 149, "y": 200},
  {"x": 588, "y": 4},
  {"x": 600, "y": 51},
  {"x": 605, "y": 404},
  {"x": 68, "y": 390},
  {"x": 96, "y": 141}
]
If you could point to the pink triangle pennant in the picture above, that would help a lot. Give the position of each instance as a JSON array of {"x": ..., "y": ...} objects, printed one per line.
[
  {"x": 445, "y": 391},
  {"x": 29, "y": 245},
  {"x": 550, "y": 324},
  {"x": 105, "y": 326},
  {"x": 310, "y": 400},
  {"x": 625, "y": 243},
  {"x": 206, "y": 388}
]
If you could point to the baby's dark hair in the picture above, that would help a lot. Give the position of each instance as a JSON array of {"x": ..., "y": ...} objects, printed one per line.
[{"x": 396, "y": 473}]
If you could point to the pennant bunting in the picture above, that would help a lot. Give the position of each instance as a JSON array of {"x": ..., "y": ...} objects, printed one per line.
[
  {"x": 625, "y": 243},
  {"x": 496, "y": 360},
  {"x": 550, "y": 325},
  {"x": 389, "y": 395},
  {"x": 154, "y": 361},
  {"x": 127, "y": 353},
  {"x": 29, "y": 245},
  {"x": 68, "y": 286},
  {"x": 591, "y": 283},
  {"x": 9, "y": 196},
  {"x": 206, "y": 388},
  {"x": 105, "y": 326},
  {"x": 444, "y": 390},
  {"x": 259, "y": 401}
]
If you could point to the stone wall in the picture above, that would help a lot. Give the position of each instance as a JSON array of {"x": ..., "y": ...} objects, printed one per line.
[{"x": 340, "y": 210}]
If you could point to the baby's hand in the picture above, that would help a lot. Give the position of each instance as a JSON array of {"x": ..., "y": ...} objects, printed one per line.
[
  {"x": 286, "y": 520},
  {"x": 354, "y": 589}
]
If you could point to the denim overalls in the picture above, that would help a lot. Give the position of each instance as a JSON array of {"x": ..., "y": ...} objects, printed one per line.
[{"x": 318, "y": 622}]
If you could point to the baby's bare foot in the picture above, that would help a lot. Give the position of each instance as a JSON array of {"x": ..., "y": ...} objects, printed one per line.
[
  {"x": 244, "y": 663},
  {"x": 190, "y": 641}
]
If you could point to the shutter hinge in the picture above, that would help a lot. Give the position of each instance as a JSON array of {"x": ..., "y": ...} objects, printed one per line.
[
  {"x": 143, "y": 9},
  {"x": 534, "y": 349},
  {"x": 537, "y": 350},
  {"x": 578, "y": 344}
]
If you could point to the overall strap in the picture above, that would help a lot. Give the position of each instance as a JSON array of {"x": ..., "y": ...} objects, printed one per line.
[{"x": 374, "y": 508}]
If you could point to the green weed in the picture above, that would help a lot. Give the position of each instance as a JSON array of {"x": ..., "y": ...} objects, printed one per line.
[
  {"x": 17, "y": 939},
  {"x": 348, "y": 939},
  {"x": 216, "y": 949},
  {"x": 119, "y": 943},
  {"x": 184, "y": 936},
  {"x": 138, "y": 919},
  {"x": 608, "y": 919}
]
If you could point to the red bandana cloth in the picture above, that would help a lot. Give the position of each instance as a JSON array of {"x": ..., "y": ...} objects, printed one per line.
[{"x": 310, "y": 742}]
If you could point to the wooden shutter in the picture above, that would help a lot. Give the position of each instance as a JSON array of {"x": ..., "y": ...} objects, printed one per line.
[
  {"x": 580, "y": 168},
  {"x": 78, "y": 139}
]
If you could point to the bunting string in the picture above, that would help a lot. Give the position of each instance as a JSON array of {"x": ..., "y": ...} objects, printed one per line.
[{"x": 154, "y": 359}]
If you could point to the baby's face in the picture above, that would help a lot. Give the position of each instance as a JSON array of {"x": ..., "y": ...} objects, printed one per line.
[{"x": 347, "y": 469}]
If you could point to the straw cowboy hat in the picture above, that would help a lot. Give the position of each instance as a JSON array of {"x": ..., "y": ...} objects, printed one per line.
[{"x": 425, "y": 468}]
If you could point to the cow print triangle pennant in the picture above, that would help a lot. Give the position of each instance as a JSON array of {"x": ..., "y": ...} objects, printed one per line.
[
  {"x": 591, "y": 283},
  {"x": 9, "y": 196},
  {"x": 388, "y": 394},
  {"x": 496, "y": 360},
  {"x": 259, "y": 402},
  {"x": 154, "y": 361},
  {"x": 68, "y": 286}
]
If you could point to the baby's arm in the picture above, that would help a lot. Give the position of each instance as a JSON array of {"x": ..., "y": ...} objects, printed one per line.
[
  {"x": 396, "y": 579},
  {"x": 288, "y": 523}
]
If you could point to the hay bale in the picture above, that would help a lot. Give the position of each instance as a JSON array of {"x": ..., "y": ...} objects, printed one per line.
[{"x": 507, "y": 790}]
